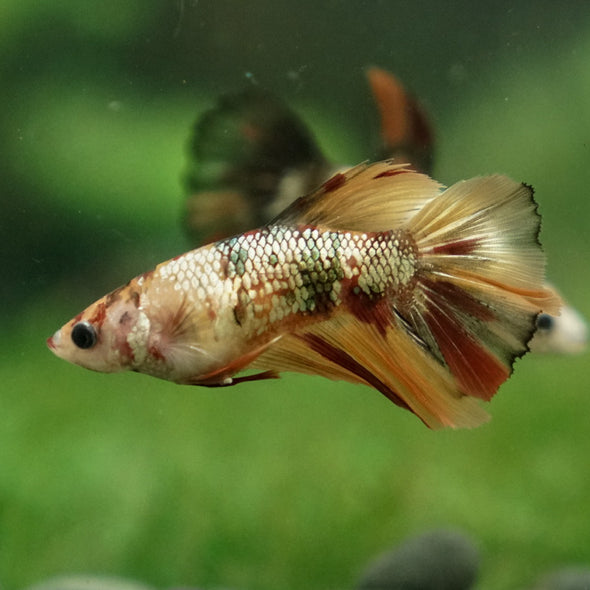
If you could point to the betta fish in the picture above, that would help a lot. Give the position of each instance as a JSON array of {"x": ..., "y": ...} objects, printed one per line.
[
  {"x": 251, "y": 155},
  {"x": 379, "y": 277}
]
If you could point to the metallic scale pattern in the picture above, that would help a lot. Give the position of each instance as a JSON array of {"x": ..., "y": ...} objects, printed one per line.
[{"x": 271, "y": 274}]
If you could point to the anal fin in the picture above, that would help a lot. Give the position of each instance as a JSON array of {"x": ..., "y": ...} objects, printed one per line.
[{"x": 391, "y": 361}]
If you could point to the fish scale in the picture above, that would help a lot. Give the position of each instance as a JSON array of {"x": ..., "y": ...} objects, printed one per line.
[{"x": 271, "y": 281}]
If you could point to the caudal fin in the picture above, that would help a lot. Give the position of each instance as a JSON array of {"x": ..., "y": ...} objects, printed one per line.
[{"x": 480, "y": 287}]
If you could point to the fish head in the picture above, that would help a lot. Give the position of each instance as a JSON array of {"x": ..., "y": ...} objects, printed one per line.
[
  {"x": 149, "y": 326},
  {"x": 106, "y": 336},
  {"x": 566, "y": 333}
]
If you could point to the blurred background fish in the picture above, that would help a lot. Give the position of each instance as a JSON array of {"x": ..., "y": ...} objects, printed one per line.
[{"x": 251, "y": 155}]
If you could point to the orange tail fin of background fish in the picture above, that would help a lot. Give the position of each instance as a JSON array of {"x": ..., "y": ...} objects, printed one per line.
[{"x": 406, "y": 133}]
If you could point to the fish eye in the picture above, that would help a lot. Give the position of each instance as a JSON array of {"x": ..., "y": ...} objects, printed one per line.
[
  {"x": 544, "y": 321},
  {"x": 84, "y": 335}
]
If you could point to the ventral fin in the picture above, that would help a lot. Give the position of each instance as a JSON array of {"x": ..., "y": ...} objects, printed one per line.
[
  {"x": 224, "y": 376},
  {"x": 368, "y": 197},
  {"x": 213, "y": 380},
  {"x": 388, "y": 359}
]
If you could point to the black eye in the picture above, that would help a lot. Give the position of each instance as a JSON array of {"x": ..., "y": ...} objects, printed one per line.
[
  {"x": 84, "y": 335},
  {"x": 544, "y": 321}
]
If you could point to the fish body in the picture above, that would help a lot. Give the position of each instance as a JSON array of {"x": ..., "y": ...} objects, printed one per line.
[
  {"x": 239, "y": 294},
  {"x": 427, "y": 297}
]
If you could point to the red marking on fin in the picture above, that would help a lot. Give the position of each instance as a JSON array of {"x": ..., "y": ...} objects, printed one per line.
[
  {"x": 458, "y": 248},
  {"x": 343, "y": 359},
  {"x": 372, "y": 310},
  {"x": 477, "y": 371},
  {"x": 386, "y": 173},
  {"x": 235, "y": 380},
  {"x": 462, "y": 299},
  {"x": 334, "y": 183}
]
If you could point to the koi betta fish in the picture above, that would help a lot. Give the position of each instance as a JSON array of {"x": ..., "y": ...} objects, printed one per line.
[
  {"x": 379, "y": 277},
  {"x": 251, "y": 155}
]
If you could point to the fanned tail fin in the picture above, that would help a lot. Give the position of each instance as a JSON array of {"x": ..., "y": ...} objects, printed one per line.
[{"x": 480, "y": 284}]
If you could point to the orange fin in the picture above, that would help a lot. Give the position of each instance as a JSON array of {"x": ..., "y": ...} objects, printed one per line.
[
  {"x": 405, "y": 130},
  {"x": 228, "y": 381},
  {"x": 368, "y": 197}
]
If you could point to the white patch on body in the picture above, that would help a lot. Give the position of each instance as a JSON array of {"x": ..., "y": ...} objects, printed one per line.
[{"x": 138, "y": 337}]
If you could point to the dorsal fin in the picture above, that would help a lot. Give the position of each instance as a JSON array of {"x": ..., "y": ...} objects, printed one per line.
[{"x": 368, "y": 197}]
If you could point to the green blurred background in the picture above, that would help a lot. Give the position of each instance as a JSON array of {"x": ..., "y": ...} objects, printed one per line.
[{"x": 298, "y": 483}]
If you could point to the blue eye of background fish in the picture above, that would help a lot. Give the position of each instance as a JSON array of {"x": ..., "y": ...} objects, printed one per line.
[
  {"x": 84, "y": 335},
  {"x": 544, "y": 321}
]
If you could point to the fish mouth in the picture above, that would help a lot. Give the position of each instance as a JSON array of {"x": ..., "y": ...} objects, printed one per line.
[{"x": 52, "y": 341}]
